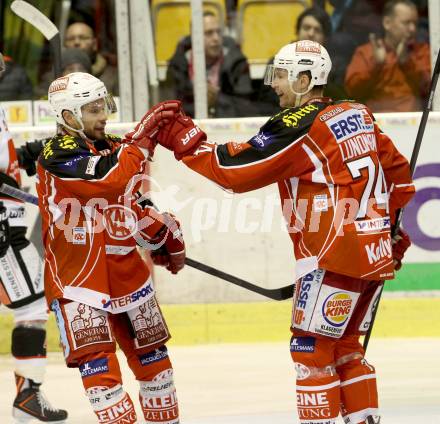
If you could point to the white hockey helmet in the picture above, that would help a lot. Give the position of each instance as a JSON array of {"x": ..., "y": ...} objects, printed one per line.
[
  {"x": 301, "y": 56},
  {"x": 75, "y": 90}
]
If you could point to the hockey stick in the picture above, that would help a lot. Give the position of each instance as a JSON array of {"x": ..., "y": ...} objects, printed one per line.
[
  {"x": 33, "y": 16},
  {"x": 281, "y": 293},
  {"x": 412, "y": 164},
  {"x": 41, "y": 22}
]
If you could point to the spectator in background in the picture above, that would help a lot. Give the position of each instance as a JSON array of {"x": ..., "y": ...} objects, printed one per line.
[
  {"x": 313, "y": 24},
  {"x": 392, "y": 74},
  {"x": 229, "y": 83},
  {"x": 75, "y": 60},
  {"x": 14, "y": 82},
  {"x": 80, "y": 35},
  {"x": 72, "y": 60}
]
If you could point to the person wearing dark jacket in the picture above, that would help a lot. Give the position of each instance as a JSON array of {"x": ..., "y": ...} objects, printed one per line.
[
  {"x": 14, "y": 82},
  {"x": 229, "y": 83}
]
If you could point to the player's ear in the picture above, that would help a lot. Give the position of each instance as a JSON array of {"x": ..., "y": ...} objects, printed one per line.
[
  {"x": 70, "y": 119},
  {"x": 304, "y": 80}
]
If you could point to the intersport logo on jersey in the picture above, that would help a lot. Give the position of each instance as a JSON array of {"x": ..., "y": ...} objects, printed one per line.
[{"x": 123, "y": 303}]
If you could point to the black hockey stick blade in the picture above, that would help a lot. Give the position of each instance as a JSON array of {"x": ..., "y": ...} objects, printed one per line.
[
  {"x": 282, "y": 293},
  {"x": 41, "y": 22}
]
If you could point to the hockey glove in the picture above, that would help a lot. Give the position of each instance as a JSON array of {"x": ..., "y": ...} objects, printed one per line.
[
  {"x": 145, "y": 132},
  {"x": 171, "y": 247},
  {"x": 5, "y": 240},
  {"x": 182, "y": 136},
  {"x": 400, "y": 243}
]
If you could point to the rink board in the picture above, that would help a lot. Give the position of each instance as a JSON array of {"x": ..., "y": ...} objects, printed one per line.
[
  {"x": 244, "y": 234},
  {"x": 258, "y": 322}
]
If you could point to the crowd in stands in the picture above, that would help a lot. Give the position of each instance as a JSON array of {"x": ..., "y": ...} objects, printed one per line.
[{"x": 380, "y": 50}]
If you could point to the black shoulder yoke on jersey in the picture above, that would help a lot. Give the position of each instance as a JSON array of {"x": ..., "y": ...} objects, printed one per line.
[
  {"x": 276, "y": 134},
  {"x": 70, "y": 157}
]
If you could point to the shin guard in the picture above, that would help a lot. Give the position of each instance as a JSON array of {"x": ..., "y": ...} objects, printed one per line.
[
  {"x": 159, "y": 400},
  {"x": 317, "y": 384},
  {"x": 112, "y": 405},
  {"x": 358, "y": 381},
  {"x": 28, "y": 348}
]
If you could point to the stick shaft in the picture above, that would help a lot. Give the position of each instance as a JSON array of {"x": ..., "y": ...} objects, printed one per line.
[
  {"x": 412, "y": 164},
  {"x": 276, "y": 294}
]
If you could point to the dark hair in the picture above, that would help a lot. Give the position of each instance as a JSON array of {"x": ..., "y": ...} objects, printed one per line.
[
  {"x": 205, "y": 14},
  {"x": 320, "y": 15},
  {"x": 390, "y": 6}
]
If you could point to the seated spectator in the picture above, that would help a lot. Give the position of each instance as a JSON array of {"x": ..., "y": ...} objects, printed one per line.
[
  {"x": 229, "y": 84},
  {"x": 14, "y": 82},
  {"x": 313, "y": 24},
  {"x": 75, "y": 60},
  {"x": 392, "y": 74},
  {"x": 80, "y": 35},
  {"x": 72, "y": 60}
]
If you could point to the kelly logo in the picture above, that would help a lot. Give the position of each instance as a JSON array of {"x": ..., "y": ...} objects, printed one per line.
[{"x": 377, "y": 252}]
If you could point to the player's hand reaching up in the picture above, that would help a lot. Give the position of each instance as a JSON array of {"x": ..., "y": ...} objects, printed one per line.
[
  {"x": 145, "y": 132},
  {"x": 400, "y": 243},
  {"x": 182, "y": 136}
]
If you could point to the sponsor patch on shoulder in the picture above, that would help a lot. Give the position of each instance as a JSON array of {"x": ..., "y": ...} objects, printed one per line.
[
  {"x": 236, "y": 148},
  {"x": 91, "y": 165},
  {"x": 68, "y": 143}
]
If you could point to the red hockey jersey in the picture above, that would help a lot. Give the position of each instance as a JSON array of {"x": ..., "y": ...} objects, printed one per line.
[
  {"x": 89, "y": 226},
  {"x": 340, "y": 181}
]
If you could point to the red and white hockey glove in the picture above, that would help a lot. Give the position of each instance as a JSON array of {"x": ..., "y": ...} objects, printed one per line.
[
  {"x": 171, "y": 247},
  {"x": 400, "y": 243},
  {"x": 182, "y": 136},
  {"x": 146, "y": 130}
]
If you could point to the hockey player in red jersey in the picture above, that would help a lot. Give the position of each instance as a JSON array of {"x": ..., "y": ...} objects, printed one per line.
[
  {"x": 340, "y": 180},
  {"x": 22, "y": 291},
  {"x": 97, "y": 284}
]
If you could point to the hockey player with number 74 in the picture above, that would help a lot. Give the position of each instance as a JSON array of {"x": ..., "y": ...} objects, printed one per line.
[{"x": 341, "y": 180}]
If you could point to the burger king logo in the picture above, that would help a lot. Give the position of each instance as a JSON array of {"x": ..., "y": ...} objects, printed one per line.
[{"x": 336, "y": 308}]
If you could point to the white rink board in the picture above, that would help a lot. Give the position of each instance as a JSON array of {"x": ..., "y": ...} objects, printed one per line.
[{"x": 229, "y": 232}]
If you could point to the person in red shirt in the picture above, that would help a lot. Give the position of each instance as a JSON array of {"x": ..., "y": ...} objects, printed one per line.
[
  {"x": 340, "y": 180},
  {"x": 93, "y": 219},
  {"x": 392, "y": 74}
]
